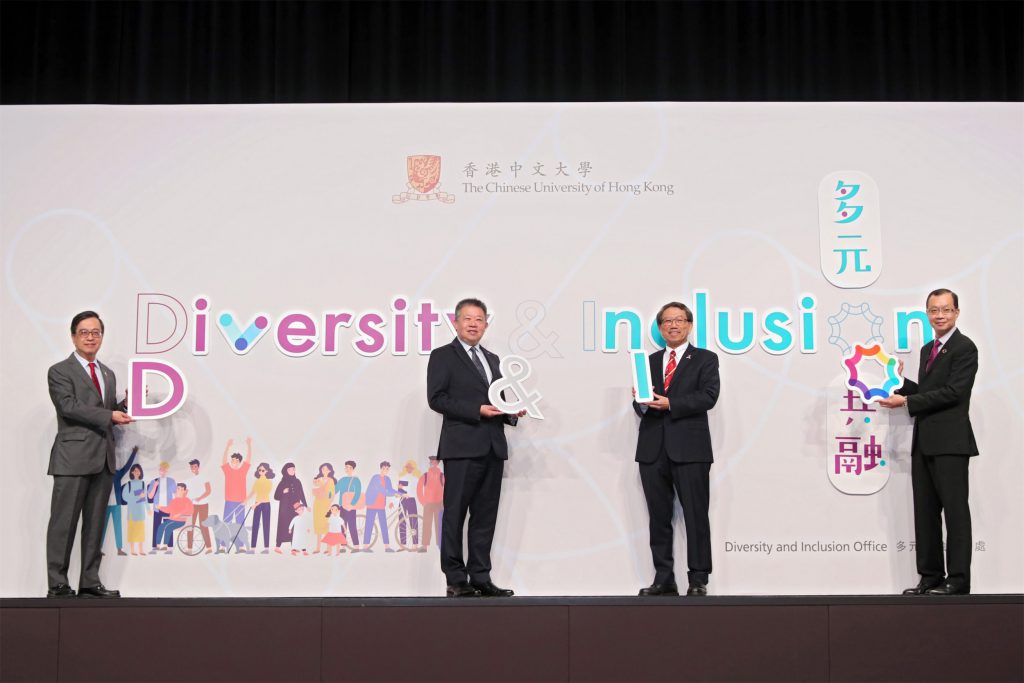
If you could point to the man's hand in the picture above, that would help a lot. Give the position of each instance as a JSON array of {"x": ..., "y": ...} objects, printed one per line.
[
  {"x": 489, "y": 411},
  {"x": 899, "y": 368},
  {"x": 521, "y": 413},
  {"x": 119, "y": 418},
  {"x": 659, "y": 403},
  {"x": 894, "y": 401}
]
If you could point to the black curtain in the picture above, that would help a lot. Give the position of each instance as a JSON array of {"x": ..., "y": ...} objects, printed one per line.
[{"x": 292, "y": 51}]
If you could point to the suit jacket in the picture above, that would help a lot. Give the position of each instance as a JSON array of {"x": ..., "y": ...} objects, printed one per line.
[
  {"x": 456, "y": 390},
  {"x": 85, "y": 434},
  {"x": 683, "y": 430},
  {"x": 940, "y": 400}
]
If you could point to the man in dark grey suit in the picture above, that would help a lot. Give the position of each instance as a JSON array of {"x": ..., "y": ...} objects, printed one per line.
[
  {"x": 472, "y": 448},
  {"x": 942, "y": 447},
  {"x": 82, "y": 462},
  {"x": 673, "y": 450}
]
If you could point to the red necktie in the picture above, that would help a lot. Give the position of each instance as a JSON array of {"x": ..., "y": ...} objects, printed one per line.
[
  {"x": 95, "y": 380},
  {"x": 935, "y": 354},
  {"x": 670, "y": 369}
]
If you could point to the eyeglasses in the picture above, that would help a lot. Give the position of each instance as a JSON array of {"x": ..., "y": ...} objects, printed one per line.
[
  {"x": 944, "y": 311},
  {"x": 85, "y": 334},
  {"x": 678, "y": 321}
]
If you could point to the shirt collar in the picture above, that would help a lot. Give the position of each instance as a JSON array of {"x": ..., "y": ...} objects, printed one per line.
[
  {"x": 467, "y": 347},
  {"x": 680, "y": 351},
  {"x": 944, "y": 339},
  {"x": 84, "y": 362}
]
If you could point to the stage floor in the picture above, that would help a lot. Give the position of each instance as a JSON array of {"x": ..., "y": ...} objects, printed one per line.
[{"x": 717, "y": 638}]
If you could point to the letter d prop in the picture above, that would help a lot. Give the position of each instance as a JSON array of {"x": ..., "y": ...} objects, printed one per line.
[{"x": 137, "y": 406}]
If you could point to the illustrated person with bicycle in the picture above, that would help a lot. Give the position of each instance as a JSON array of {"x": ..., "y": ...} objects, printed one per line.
[
  {"x": 377, "y": 492},
  {"x": 409, "y": 524}
]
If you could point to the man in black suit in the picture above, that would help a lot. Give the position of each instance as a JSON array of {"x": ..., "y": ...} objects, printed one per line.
[
  {"x": 674, "y": 450},
  {"x": 472, "y": 448},
  {"x": 942, "y": 446},
  {"x": 82, "y": 462}
]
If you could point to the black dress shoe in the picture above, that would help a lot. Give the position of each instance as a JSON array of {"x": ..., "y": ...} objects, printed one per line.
[
  {"x": 462, "y": 589},
  {"x": 61, "y": 590},
  {"x": 489, "y": 590},
  {"x": 697, "y": 589},
  {"x": 949, "y": 589},
  {"x": 659, "y": 589},
  {"x": 97, "y": 591},
  {"x": 923, "y": 586}
]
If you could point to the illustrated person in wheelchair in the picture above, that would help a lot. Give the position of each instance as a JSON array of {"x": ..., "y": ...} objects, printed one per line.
[{"x": 178, "y": 512}]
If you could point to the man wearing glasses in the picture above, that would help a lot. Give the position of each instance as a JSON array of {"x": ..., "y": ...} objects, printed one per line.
[
  {"x": 82, "y": 462},
  {"x": 674, "y": 450},
  {"x": 942, "y": 446}
]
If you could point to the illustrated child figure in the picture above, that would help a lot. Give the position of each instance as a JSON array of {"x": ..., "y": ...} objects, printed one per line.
[
  {"x": 334, "y": 539},
  {"x": 301, "y": 528}
]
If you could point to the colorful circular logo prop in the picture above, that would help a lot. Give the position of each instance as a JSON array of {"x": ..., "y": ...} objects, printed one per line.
[{"x": 853, "y": 374}]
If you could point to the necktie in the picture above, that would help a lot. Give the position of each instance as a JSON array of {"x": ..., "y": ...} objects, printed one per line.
[
  {"x": 670, "y": 369},
  {"x": 935, "y": 354},
  {"x": 477, "y": 363},
  {"x": 95, "y": 380}
]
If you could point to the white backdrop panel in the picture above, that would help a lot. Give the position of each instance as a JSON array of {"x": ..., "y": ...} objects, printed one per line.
[{"x": 273, "y": 209}]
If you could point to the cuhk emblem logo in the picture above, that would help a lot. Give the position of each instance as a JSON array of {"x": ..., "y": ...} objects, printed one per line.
[{"x": 424, "y": 172}]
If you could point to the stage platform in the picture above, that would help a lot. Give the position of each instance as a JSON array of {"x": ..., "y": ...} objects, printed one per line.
[{"x": 734, "y": 638}]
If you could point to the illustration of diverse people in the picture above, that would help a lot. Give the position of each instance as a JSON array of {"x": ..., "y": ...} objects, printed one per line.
[
  {"x": 330, "y": 527},
  {"x": 462, "y": 480}
]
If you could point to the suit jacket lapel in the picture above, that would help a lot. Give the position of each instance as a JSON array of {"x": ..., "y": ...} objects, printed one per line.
[
  {"x": 658, "y": 371},
  {"x": 108, "y": 385},
  {"x": 81, "y": 377},
  {"x": 951, "y": 342},
  {"x": 492, "y": 363},
  {"x": 682, "y": 360}
]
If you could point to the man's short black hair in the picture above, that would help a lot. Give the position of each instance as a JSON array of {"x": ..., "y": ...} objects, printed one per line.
[
  {"x": 940, "y": 292},
  {"x": 183, "y": 487},
  {"x": 193, "y": 461},
  {"x": 236, "y": 456},
  {"x": 85, "y": 315},
  {"x": 676, "y": 304},
  {"x": 385, "y": 463},
  {"x": 350, "y": 463},
  {"x": 470, "y": 302}
]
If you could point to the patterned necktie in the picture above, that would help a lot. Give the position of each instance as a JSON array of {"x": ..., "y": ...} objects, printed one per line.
[
  {"x": 933, "y": 356},
  {"x": 478, "y": 364},
  {"x": 670, "y": 369},
  {"x": 95, "y": 380}
]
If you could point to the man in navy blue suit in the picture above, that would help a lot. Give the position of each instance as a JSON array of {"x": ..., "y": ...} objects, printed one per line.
[
  {"x": 674, "y": 450},
  {"x": 472, "y": 448}
]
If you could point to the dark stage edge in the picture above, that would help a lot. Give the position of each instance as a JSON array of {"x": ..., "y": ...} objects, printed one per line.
[{"x": 717, "y": 638}]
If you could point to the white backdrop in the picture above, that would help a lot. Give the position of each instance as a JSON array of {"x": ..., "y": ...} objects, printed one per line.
[{"x": 275, "y": 209}]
